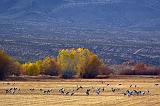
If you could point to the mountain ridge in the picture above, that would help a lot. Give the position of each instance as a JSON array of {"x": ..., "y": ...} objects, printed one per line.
[{"x": 109, "y": 13}]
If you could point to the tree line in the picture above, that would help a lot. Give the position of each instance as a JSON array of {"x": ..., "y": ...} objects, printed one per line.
[{"x": 69, "y": 63}]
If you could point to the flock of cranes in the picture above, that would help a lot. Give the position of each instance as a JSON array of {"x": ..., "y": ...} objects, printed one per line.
[{"x": 80, "y": 89}]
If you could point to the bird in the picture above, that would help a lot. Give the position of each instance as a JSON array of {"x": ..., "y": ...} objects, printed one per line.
[
  {"x": 87, "y": 92},
  {"x": 67, "y": 93},
  {"x": 148, "y": 91},
  {"x": 124, "y": 94},
  {"x": 128, "y": 93},
  {"x": 62, "y": 90},
  {"x": 12, "y": 90},
  {"x": 46, "y": 92},
  {"x": 113, "y": 89},
  {"x": 79, "y": 87},
  {"x": 98, "y": 91},
  {"x": 156, "y": 84},
  {"x": 141, "y": 92},
  {"x": 72, "y": 93},
  {"x": 31, "y": 89},
  {"x": 7, "y": 91},
  {"x": 103, "y": 89}
]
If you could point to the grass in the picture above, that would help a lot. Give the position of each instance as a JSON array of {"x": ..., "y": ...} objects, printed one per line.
[{"x": 36, "y": 98}]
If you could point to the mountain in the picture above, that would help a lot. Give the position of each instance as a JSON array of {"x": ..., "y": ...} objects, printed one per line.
[
  {"x": 116, "y": 30},
  {"x": 90, "y": 13}
]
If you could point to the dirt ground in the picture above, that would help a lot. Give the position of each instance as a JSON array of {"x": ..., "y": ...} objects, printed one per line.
[{"x": 32, "y": 93}]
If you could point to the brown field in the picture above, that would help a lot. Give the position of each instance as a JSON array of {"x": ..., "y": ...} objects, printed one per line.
[{"x": 25, "y": 97}]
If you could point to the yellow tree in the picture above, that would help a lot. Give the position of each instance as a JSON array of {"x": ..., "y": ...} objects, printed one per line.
[
  {"x": 24, "y": 68},
  {"x": 80, "y": 61},
  {"x": 66, "y": 61},
  {"x": 92, "y": 67},
  {"x": 31, "y": 69},
  {"x": 49, "y": 66}
]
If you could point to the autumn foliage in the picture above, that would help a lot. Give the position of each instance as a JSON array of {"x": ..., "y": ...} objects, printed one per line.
[
  {"x": 105, "y": 70},
  {"x": 143, "y": 69},
  {"x": 31, "y": 69},
  {"x": 69, "y": 63},
  {"x": 49, "y": 66},
  {"x": 8, "y": 66},
  {"x": 135, "y": 69},
  {"x": 81, "y": 62}
]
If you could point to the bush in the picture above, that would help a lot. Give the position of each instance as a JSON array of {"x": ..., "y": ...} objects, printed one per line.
[
  {"x": 91, "y": 69},
  {"x": 143, "y": 69},
  {"x": 137, "y": 69},
  {"x": 148, "y": 71},
  {"x": 81, "y": 61},
  {"x": 50, "y": 67},
  {"x": 68, "y": 74},
  {"x": 7, "y": 66},
  {"x": 126, "y": 72},
  {"x": 140, "y": 67},
  {"x": 89, "y": 74},
  {"x": 122, "y": 70},
  {"x": 31, "y": 69},
  {"x": 105, "y": 70},
  {"x": 15, "y": 68}
]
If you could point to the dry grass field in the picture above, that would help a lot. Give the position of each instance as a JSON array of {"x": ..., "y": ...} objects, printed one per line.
[{"x": 32, "y": 93}]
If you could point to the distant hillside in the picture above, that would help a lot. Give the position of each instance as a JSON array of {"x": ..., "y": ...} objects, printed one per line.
[
  {"x": 90, "y": 13},
  {"x": 116, "y": 30}
]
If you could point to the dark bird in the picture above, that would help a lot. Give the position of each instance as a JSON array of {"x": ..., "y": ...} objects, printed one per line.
[
  {"x": 72, "y": 93},
  {"x": 67, "y": 93},
  {"x": 87, "y": 92}
]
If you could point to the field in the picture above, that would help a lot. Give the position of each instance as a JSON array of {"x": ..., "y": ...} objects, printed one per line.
[{"x": 31, "y": 93}]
